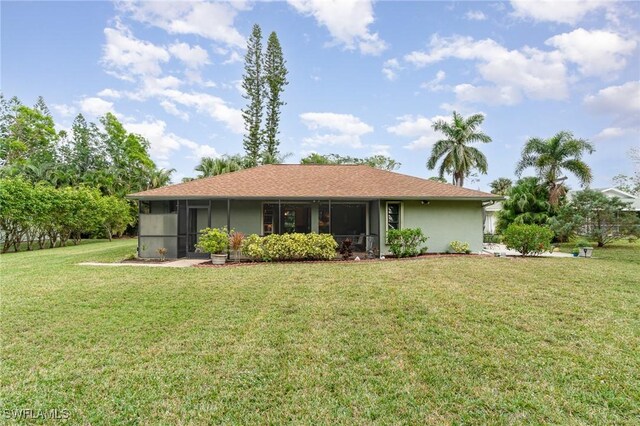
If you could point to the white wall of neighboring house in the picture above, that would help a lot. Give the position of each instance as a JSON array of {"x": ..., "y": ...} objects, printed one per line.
[{"x": 491, "y": 217}]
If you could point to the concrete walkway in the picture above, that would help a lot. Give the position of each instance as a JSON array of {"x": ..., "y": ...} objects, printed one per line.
[
  {"x": 180, "y": 263},
  {"x": 501, "y": 248}
]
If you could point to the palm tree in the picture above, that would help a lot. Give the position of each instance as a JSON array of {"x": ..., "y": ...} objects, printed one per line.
[
  {"x": 159, "y": 178},
  {"x": 453, "y": 152},
  {"x": 501, "y": 186},
  {"x": 550, "y": 157},
  {"x": 210, "y": 166},
  {"x": 528, "y": 203}
]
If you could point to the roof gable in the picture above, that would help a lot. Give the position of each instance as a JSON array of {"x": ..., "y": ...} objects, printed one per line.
[{"x": 288, "y": 181}]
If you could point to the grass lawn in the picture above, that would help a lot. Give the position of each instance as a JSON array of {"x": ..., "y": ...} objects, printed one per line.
[{"x": 432, "y": 341}]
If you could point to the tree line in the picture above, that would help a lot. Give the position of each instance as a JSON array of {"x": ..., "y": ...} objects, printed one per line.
[
  {"x": 41, "y": 214},
  {"x": 103, "y": 156},
  {"x": 57, "y": 185}
]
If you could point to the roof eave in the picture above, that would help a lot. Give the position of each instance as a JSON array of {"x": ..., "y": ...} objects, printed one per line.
[{"x": 317, "y": 197}]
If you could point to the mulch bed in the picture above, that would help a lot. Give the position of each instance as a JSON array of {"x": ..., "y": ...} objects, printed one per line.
[{"x": 336, "y": 260}]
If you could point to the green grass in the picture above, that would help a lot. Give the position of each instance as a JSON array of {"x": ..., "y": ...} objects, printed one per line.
[{"x": 451, "y": 340}]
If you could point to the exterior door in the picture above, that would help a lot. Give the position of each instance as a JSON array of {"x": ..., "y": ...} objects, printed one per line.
[{"x": 197, "y": 220}]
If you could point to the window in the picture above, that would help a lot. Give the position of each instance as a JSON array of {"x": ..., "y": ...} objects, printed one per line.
[
  {"x": 158, "y": 207},
  {"x": 394, "y": 215},
  {"x": 269, "y": 222}
]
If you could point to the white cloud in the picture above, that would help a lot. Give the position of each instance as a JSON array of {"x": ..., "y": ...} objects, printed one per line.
[
  {"x": 622, "y": 103},
  {"x": 616, "y": 100},
  {"x": 171, "y": 108},
  {"x": 126, "y": 56},
  {"x": 212, "y": 20},
  {"x": 204, "y": 103},
  {"x": 347, "y": 21},
  {"x": 337, "y": 129},
  {"x": 434, "y": 84},
  {"x": 94, "y": 106},
  {"x": 617, "y": 133},
  {"x": 491, "y": 95},
  {"x": 475, "y": 15},
  {"x": 233, "y": 58},
  {"x": 390, "y": 68},
  {"x": 164, "y": 144},
  {"x": 140, "y": 62},
  {"x": 529, "y": 72},
  {"x": 561, "y": 11},
  {"x": 110, "y": 93},
  {"x": 417, "y": 127},
  {"x": 597, "y": 53},
  {"x": 381, "y": 150},
  {"x": 64, "y": 110},
  {"x": 192, "y": 57}
]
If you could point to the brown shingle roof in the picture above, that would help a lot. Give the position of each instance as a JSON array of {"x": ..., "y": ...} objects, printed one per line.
[{"x": 289, "y": 181}]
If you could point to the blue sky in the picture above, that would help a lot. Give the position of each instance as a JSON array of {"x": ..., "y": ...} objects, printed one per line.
[{"x": 365, "y": 77}]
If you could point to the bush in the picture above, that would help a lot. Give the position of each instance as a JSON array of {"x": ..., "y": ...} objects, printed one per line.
[
  {"x": 528, "y": 239},
  {"x": 345, "y": 249},
  {"x": 632, "y": 239},
  {"x": 459, "y": 247},
  {"x": 582, "y": 242},
  {"x": 405, "y": 242},
  {"x": 293, "y": 246},
  {"x": 214, "y": 240},
  {"x": 252, "y": 247},
  {"x": 492, "y": 238}
]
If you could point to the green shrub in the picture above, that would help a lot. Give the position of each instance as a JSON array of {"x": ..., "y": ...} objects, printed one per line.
[
  {"x": 582, "y": 242},
  {"x": 252, "y": 247},
  {"x": 492, "y": 238},
  {"x": 295, "y": 246},
  {"x": 632, "y": 239},
  {"x": 459, "y": 247},
  {"x": 528, "y": 239},
  {"x": 405, "y": 242},
  {"x": 213, "y": 240}
]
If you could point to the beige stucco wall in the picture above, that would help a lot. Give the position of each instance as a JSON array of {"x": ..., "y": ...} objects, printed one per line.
[{"x": 441, "y": 221}]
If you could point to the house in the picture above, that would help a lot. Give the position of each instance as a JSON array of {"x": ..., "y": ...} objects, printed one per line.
[{"x": 347, "y": 201}]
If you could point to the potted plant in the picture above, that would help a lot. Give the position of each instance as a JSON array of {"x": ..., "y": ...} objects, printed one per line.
[
  {"x": 576, "y": 252},
  {"x": 216, "y": 242},
  {"x": 235, "y": 243},
  {"x": 584, "y": 248},
  {"x": 162, "y": 251}
]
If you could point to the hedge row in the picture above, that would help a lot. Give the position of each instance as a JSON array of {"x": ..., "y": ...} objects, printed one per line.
[
  {"x": 294, "y": 246},
  {"x": 41, "y": 213}
]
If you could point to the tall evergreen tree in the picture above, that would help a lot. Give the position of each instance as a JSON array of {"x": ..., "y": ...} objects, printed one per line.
[
  {"x": 276, "y": 78},
  {"x": 253, "y": 85},
  {"x": 41, "y": 107}
]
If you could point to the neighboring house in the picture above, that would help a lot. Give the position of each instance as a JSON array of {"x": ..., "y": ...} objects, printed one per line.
[
  {"x": 348, "y": 201},
  {"x": 491, "y": 210},
  {"x": 634, "y": 201},
  {"x": 491, "y": 216}
]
